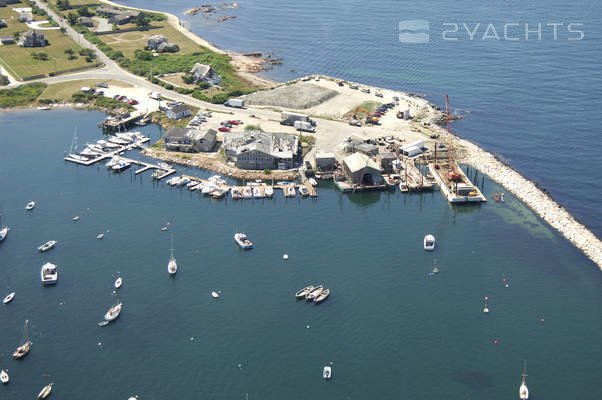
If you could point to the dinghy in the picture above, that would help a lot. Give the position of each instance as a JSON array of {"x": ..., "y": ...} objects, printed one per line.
[
  {"x": 303, "y": 292},
  {"x": 30, "y": 205},
  {"x": 9, "y": 298},
  {"x": 118, "y": 283}
]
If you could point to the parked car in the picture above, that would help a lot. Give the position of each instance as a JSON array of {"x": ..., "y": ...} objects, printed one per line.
[
  {"x": 233, "y": 122},
  {"x": 102, "y": 85},
  {"x": 116, "y": 96},
  {"x": 133, "y": 102},
  {"x": 308, "y": 165},
  {"x": 223, "y": 129},
  {"x": 341, "y": 83}
]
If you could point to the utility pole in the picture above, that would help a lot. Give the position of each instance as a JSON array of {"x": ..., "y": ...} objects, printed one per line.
[{"x": 55, "y": 65}]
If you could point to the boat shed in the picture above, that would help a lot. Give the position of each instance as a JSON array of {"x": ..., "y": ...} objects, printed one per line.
[
  {"x": 367, "y": 149},
  {"x": 325, "y": 161},
  {"x": 386, "y": 160},
  {"x": 361, "y": 170}
]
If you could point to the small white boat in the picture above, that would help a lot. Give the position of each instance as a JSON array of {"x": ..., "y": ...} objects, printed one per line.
[
  {"x": 313, "y": 182},
  {"x": 122, "y": 166},
  {"x": 314, "y": 293},
  {"x": 322, "y": 296},
  {"x": 125, "y": 137},
  {"x": 118, "y": 283},
  {"x": 3, "y": 233},
  {"x": 174, "y": 181},
  {"x": 100, "y": 236},
  {"x": 30, "y": 205},
  {"x": 45, "y": 392},
  {"x": 183, "y": 181},
  {"x": 303, "y": 292},
  {"x": 269, "y": 191},
  {"x": 192, "y": 185},
  {"x": 23, "y": 350},
  {"x": 96, "y": 148},
  {"x": 113, "y": 161},
  {"x": 214, "y": 294},
  {"x": 4, "y": 378},
  {"x": 106, "y": 144},
  {"x": 218, "y": 180},
  {"x": 247, "y": 192},
  {"x": 235, "y": 193},
  {"x": 208, "y": 189},
  {"x": 258, "y": 193},
  {"x": 303, "y": 191},
  {"x": 76, "y": 218},
  {"x": 49, "y": 274},
  {"x": 290, "y": 191},
  {"x": 89, "y": 153},
  {"x": 243, "y": 241},
  {"x": 523, "y": 391},
  {"x": 327, "y": 372},
  {"x": 429, "y": 242},
  {"x": 119, "y": 141},
  {"x": 9, "y": 298},
  {"x": 47, "y": 246},
  {"x": 113, "y": 312},
  {"x": 172, "y": 266}
]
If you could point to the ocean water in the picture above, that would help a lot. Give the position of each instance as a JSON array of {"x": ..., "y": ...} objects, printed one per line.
[
  {"x": 389, "y": 329},
  {"x": 533, "y": 101}
]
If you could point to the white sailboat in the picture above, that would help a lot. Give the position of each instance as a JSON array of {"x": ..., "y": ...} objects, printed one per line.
[
  {"x": 172, "y": 266},
  {"x": 4, "y": 378},
  {"x": 3, "y": 228},
  {"x": 74, "y": 151},
  {"x": 114, "y": 311},
  {"x": 25, "y": 346},
  {"x": 523, "y": 392},
  {"x": 45, "y": 392}
]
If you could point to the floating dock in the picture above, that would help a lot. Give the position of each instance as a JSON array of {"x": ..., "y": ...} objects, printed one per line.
[
  {"x": 461, "y": 191},
  {"x": 112, "y": 124}
]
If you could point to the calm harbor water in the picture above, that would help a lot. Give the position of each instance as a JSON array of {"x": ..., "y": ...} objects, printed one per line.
[
  {"x": 389, "y": 329},
  {"x": 534, "y": 102}
]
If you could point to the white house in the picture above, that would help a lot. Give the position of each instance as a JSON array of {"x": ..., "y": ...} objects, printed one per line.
[
  {"x": 178, "y": 112},
  {"x": 202, "y": 72}
]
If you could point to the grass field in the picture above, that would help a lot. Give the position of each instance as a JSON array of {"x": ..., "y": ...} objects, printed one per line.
[
  {"x": 64, "y": 90},
  {"x": 18, "y": 60}
]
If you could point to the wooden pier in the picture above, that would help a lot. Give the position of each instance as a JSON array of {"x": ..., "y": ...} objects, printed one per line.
[{"x": 116, "y": 123}]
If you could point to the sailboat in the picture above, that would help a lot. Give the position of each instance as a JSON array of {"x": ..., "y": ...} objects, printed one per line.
[
  {"x": 45, "y": 392},
  {"x": 3, "y": 228},
  {"x": 523, "y": 392},
  {"x": 172, "y": 266},
  {"x": 25, "y": 346},
  {"x": 114, "y": 311},
  {"x": 73, "y": 151},
  {"x": 4, "y": 378}
]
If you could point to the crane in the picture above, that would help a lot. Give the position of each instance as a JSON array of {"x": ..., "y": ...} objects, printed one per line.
[{"x": 452, "y": 174}]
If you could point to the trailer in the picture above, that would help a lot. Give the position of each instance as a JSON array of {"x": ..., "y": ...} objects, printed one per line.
[
  {"x": 303, "y": 126},
  {"x": 155, "y": 95},
  {"x": 236, "y": 103},
  {"x": 291, "y": 116}
]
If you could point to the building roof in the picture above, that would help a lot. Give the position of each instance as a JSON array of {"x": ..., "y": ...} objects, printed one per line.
[
  {"x": 279, "y": 145},
  {"x": 324, "y": 155},
  {"x": 6, "y": 38},
  {"x": 108, "y": 10},
  {"x": 158, "y": 38},
  {"x": 32, "y": 33},
  {"x": 366, "y": 147},
  {"x": 180, "y": 108},
  {"x": 201, "y": 69},
  {"x": 359, "y": 161},
  {"x": 85, "y": 19},
  {"x": 386, "y": 156},
  {"x": 176, "y": 132}
]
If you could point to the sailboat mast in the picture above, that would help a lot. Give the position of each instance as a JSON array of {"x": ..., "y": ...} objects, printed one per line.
[
  {"x": 171, "y": 249},
  {"x": 524, "y": 375}
]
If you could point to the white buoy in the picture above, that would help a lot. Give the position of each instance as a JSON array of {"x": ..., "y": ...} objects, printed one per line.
[
  {"x": 307, "y": 326},
  {"x": 285, "y": 256},
  {"x": 214, "y": 295}
]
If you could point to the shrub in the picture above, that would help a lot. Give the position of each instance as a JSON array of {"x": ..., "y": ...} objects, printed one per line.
[
  {"x": 267, "y": 171},
  {"x": 204, "y": 85}
]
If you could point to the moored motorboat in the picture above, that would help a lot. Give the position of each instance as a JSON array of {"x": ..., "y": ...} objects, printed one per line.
[
  {"x": 303, "y": 191},
  {"x": 100, "y": 236},
  {"x": 214, "y": 294},
  {"x": 429, "y": 242},
  {"x": 3, "y": 233},
  {"x": 30, "y": 205},
  {"x": 107, "y": 145},
  {"x": 9, "y": 298},
  {"x": 258, "y": 193},
  {"x": 122, "y": 166},
  {"x": 118, "y": 283},
  {"x": 89, "y": 153},
  {"x": 523, "y": 391},
  {"x": 219, "y": 193},
  {"x": 235, "y": 193},
  {"x": 322, "y": 296},
  {"x": 243, "y": 241},
  {"x": 192, "y": 185},
  {"x": 183, "y": 181},
  {"x": 4, "y": 378},
  {"x": 269, "y": 191},
  {"x": 313, "y": 182},
  {"x": 303, "y": 292},
  {"x": 119, "y": 141},
  {"x": 76, "y": 218},
  {"x": 290, "y": 191},
  {"x": 113, "y": 161},
  {"x": 125, "y": 137},
  {"x": 315, "y": 292},
  {"x": 209, "y": 188},
  {"x": 49, "y": 274},
  {"x": 47, "y": 246},
  {"x": 327, "y": 372},
  {"x": 247, "y": 192}
]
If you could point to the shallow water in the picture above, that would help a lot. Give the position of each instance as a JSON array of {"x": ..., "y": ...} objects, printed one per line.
[{"x": 389, "y": 329}]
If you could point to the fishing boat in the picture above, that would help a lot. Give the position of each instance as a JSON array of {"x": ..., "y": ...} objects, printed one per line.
[
  {"x": 30, "y": 205},
  {"x": 172, "y": 266},
  {"x": 523, "y": 391},
  {"x": 247, "y": 192},
  {"x": 114, "y": 311},
  {"x": 315, "y": 292},
  {"x": 122, "y": 166},
  {"x": 3, "y": 228},
  {"x": 100, "y": 236},
  {"x": 25, "y": 346},
  {"x": 235, "y": 193},
  {"x": 303, "y": 292},
  {"x": 322, "y": 296},
  {"x": 9, "y": 298},
  {"x": 118, "y": 283},
  {"x": 429, "y": 242},
  {"x": 290, "y": 191},
  {"x": 74, "y": 151},
  {"x": 4, "y": 378},
  {"x": 258, "y": 193},
  {"x": 303, "y": 191},
  {"x": 269, "y": 191},
  {"x": 313, "y": 182},
  {"x": 243, "y": 241},
  {"x": 47, "y": 246},
  {"x": 327, "y": 372},
  {"x": 49, "y": 274}
]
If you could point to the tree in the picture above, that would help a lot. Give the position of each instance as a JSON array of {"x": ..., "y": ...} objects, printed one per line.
[
  {"x": 63, "y": 5},
  {"x": 72, "y": 19},
  {"x": 141, "y": 20},
  {"x": 69, "y": 51},
  {"x": 84, "y": 12}
]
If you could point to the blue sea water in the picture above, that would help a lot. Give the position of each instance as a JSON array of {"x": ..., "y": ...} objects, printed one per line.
[
  {"x": 389, "y": 329},
  {"x": 534, "y": 102}
]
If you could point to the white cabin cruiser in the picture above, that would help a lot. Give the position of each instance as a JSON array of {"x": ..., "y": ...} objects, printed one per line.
[
  {"x": 258, "y": 193},
  {"x": 47, "y": 246},
  {"x": 429, "y": 242},
  {"x": 49, "y": 274},
  {"x": 327, "y": 372},
  {"x": 243, "y": 241},
  {"x": 247, "y": 192},
  {"x": 269, "y": 191}
]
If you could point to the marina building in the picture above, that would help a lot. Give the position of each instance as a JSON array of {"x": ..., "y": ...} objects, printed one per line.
[
  {"x": 259, "y": 150},
  {"x": 189, "y": 140},
  {"x": 325, "y": 161},
  {"x": 385, "y": 161},
  {"x": 359, "y": 169}
]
